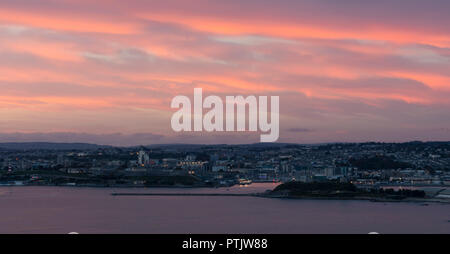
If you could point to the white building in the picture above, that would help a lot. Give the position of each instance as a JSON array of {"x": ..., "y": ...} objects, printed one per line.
[{"x": 143, "y": 158}]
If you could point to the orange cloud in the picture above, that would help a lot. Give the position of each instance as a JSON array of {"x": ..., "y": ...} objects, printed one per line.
[
  {"x": 137, "y": 56},
  {"x": 224, "y": 26},
  {"x": 67, "y": 22}
]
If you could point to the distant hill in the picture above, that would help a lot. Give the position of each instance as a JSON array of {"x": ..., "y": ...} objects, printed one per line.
[
  {"x": 86, "y": 146},
  {"x": 50, "y": 146},
  {"x": 255, "y": 146},
  {"x": 181, "y": 145}
]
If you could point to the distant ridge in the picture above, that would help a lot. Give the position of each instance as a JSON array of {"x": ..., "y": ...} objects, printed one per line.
[
  {"x": 180, "y": 145},
  {"x": 50, "y": 146},
  {"x": 88, "y": 146}
]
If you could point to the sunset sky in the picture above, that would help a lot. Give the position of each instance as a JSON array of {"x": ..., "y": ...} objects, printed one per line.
[{"x": 106, "y": 71}]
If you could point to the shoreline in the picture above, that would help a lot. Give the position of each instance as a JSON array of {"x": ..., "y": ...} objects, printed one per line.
[
  {"x": 111, "y": 186},
  {"x": 361, "y": 198},
  {"x": 260, "y": 195},
  {"x": 263, "y": 195}
]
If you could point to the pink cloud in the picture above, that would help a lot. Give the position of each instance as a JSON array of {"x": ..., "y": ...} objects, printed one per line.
[{"x": 85, "y": 57}]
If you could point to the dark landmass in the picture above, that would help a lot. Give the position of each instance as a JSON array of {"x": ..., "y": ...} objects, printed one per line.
[
  {"x": 57, "y": 178},
  {"x": 378, "y": 162},
  {"x": 414, "y": 145},
  {"x": 50, "y": 146},
  {"x": 338, "y": 190}
]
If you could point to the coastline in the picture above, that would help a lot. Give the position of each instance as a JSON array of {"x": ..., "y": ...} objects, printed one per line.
[
  {"x": 275, "y": 196},
  {"x": 257, "y": 194},
  {"x": 108, "y": 186},
  {"x": 361, "y": 198}
]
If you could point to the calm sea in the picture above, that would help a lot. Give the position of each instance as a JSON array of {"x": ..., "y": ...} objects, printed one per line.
[{"x": 93, "y": 210}]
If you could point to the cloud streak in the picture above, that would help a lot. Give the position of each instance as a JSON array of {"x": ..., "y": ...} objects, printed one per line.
[{"x": 375, "y": 71}]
